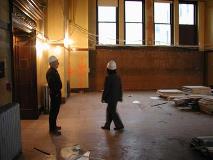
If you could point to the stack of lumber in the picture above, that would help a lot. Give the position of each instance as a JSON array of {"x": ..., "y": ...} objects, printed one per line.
[
  {"x": 181, "y": 101},
  {"x": 197, "y": 90},
  {"x": 206, "y": 104},
  {"x": 204, "y": 144},
  {"x": 169, "y": 92},
  {"x": 184, "y": 98}
]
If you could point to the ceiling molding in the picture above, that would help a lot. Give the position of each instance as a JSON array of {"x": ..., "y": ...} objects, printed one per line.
[
  {"x": 32, "y": 8},
  {"x": 22, "y": 21}
]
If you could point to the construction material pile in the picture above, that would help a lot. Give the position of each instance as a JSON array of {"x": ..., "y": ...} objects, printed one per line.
[
  {"x": 197, "y": 90},
  {"x": 206, "y": 104},
  {"x": 203, "y": 144},
  {"x": 165, "y": 93},
  {"x": 183, "y": 100}
]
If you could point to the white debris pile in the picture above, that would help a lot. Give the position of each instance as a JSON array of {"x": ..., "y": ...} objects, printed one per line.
[{"x": 74, "y": 153}]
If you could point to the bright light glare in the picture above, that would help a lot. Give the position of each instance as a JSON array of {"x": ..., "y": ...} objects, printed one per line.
[
  {"x": 162, "y": 34},
  {"x": 57, "y": 50},
  {"x": 186, "y": 14},
  {"x": 162, "y": 12},
  {"x": 107, "y": 14},
  {"x": 107, "y": 33},
  {"x": 133, "y": 11},
  {"x": 133, "y": 33},
  {"x": 39, "y": 48}
]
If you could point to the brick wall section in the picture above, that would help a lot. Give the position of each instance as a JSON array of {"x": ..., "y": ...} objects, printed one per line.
[{"x": 148, "y": 68}]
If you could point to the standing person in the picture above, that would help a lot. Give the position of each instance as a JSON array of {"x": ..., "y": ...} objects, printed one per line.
[
  {"x": 55, "y": 85},
  {"x": 111, "y": 95}
]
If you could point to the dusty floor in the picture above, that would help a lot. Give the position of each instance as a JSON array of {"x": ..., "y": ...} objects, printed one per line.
[{"x": 151, "y": 132}]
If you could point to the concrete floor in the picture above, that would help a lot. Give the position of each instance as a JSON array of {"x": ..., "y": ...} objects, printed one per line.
[{"x": 151, "y": 132}]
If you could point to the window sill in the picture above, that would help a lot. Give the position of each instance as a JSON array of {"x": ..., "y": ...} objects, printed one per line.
[{"x": 191, "y": 47}]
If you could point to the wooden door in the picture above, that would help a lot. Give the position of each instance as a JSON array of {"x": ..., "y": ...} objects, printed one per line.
[{"x": 25, "y": 81}]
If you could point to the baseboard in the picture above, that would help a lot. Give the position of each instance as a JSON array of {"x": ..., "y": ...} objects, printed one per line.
[
  {"x": 79, "y": 90},
  {"x": 63, "y": 100}
]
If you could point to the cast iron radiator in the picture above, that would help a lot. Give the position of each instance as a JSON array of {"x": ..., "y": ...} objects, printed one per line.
[{"x": 10, "y": 132}]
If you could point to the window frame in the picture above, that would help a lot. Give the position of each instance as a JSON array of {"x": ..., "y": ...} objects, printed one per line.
[
  {"x": 171, "y": 22},
  {"x": 116, "y": 23},
  {"x": 143, "y": 21},
  {"x": 195, "y": 25},
  {"x": 195, "y": 10}
]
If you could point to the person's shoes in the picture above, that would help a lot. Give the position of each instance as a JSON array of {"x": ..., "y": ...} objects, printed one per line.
[
  {"x": 55, "y": 133},
  {"x": 58, "y": 127},
  {"x": 106, "y": 128},
  {"x": 118, "y": 128}
]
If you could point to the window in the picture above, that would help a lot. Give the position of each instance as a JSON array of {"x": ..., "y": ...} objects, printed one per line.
[
  {"x": 186, "y": 14},
  {"x": 134, "y": 22},
  {"x": 106, "y": 25},
  {"x": 187, "y": 23},
  {"x": 163, "y": 23}
]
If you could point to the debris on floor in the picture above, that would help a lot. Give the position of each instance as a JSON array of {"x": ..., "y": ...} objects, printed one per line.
[
  {"x": 74, "y": 153},
  {"x": 203, "y": 144},
  {"x": 197, "y": 90},
  {"x": 157, "y": 101},
  {"x": 159, "y": 104},
  {"x": 48, "y": 156},
  {"x": 155, "y": 98},
  {"x": 41, "y": 151},
  {"x": 136, "y": 102},
  {"x": 194, "y": 102}
]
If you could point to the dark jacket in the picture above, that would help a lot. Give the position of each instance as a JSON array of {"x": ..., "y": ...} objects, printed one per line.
[
  {"x": 112, "y": 89},
  {"x": 54, "y": 81}
]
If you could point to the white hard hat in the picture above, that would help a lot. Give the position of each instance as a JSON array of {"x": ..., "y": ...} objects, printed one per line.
[
  {"x": 52, "y": 59},
  {"x": 111, "y": 65}
]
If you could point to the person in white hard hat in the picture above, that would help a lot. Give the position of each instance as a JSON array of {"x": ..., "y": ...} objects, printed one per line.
[
  {"x": 111, "y": 95},
  {"x": 55, "y": 85}
]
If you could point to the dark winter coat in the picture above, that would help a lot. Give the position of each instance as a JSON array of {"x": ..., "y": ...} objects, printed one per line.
[
  {"x": 112, "y": 89},
  {"x": 54, "y": 81}
]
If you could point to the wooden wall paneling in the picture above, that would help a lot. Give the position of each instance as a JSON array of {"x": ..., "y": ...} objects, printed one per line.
[{"x": 25, "y": 80}]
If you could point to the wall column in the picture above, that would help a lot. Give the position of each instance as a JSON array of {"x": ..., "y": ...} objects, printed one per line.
[
  {"x": 149, "y": 25},
  {"x": 121, "y": 22},
  {"x": 176, "y": 23},
  {"x": 201, "y": 24}
]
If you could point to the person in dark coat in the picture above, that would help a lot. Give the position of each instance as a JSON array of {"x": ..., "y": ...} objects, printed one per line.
[
  {"x": 55, "y": 85},
  {"x": 111, "y": 95}
]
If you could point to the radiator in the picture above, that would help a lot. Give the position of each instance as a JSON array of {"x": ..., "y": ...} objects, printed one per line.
[{"x": 10, "y": 132}]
